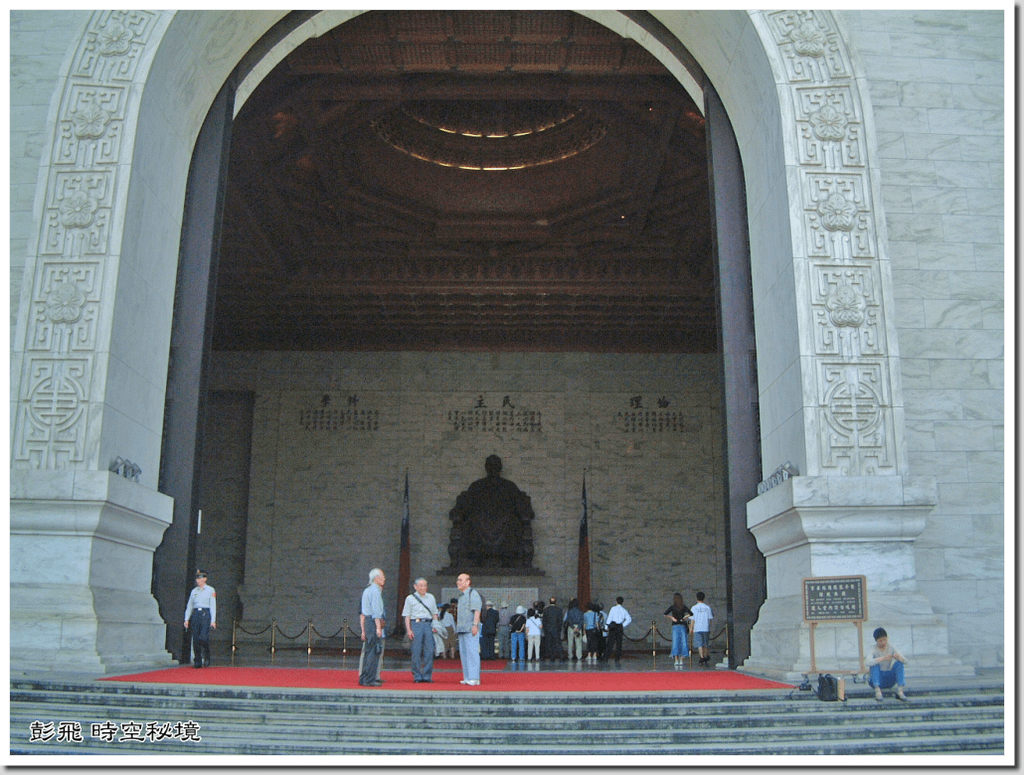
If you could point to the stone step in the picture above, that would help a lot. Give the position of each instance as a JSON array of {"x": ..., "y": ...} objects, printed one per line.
[
  {"x": 953, "y": 744},
  {"x": 770, "y": 714},
  {"x": 481, "y": 705},
  {"x": 332, "y": 724},
  {"x": 304, "y": 722}
]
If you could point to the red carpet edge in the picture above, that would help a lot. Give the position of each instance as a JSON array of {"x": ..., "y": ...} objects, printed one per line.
[{"x": 516, "y": 681}]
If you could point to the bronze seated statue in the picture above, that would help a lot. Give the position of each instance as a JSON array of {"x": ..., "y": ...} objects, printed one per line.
[{"x": 492, "y": 523}]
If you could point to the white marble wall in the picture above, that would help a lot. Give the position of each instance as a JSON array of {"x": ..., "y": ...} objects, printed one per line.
[{"x": 937, "y": 88}]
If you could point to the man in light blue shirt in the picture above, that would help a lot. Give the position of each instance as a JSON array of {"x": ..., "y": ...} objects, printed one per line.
[
  {"x": 467, "y": 626},
  {"x": 372, "y": 624},
  {"x": 200, "y": 617}
]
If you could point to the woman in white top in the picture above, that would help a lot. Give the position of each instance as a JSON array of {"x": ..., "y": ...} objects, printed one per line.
[
  {"x": 448, "y": 640},
  {"x": 533, "y": 629}
]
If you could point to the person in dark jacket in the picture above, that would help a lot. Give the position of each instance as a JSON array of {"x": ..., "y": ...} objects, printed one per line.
[
  {"x": 551, "y": 633},
  {"x": 488, "y": 631}
]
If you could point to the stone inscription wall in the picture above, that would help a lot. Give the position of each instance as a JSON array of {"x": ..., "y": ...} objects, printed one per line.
[{"x": 330, "y": 454}]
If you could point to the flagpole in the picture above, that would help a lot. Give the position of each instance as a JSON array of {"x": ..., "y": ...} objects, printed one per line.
[
  {"x": 403, "y": 562},
  {"x": 583, "y": 557}
]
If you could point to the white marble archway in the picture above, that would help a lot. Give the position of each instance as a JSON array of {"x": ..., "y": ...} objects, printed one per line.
[{"x": 89, "y": 362}]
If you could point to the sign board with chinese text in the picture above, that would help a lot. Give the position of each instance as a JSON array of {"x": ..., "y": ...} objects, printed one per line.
[{"x": 835, "y": 599}]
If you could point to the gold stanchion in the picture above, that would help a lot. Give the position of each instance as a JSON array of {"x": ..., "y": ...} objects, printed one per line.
[
  {"x": 654, "y": 637},
  {"x": 234, "y": 640},
  {"x": 273, "y": 639},
  {"x": 309, "y": 640},
  {"x": 344, "y": 637}
]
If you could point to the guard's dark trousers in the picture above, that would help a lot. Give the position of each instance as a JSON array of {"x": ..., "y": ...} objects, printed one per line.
[{"x": 199, "y": 626}]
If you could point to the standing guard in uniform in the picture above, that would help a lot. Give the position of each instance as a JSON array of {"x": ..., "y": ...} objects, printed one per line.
[{"x": 200, "y": 616}]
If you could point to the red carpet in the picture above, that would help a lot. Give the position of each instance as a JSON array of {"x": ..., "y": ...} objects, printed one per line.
[{"x": 445, "y": 680}]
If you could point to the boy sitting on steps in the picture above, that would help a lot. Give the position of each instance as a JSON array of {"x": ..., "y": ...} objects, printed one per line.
[{"x": 886, "y": 665}]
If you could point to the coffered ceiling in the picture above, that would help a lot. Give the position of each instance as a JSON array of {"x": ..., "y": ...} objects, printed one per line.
[{"x": 485, "y": 180}]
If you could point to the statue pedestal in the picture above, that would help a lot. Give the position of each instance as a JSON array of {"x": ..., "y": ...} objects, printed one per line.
[
  {"x": 514, "y": 586},
  {"x": 491, "y": 574}
]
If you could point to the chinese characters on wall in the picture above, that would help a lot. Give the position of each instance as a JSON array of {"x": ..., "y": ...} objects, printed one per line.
[
  {"x": 655, "y": 416},
  {"x": 489, "y": 415},
  {"x": 349, "y": 417},
  {"x": 484, "y": 417}
]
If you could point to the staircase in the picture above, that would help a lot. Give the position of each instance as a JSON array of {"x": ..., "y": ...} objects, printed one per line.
[{"x": 158, "y": 719}]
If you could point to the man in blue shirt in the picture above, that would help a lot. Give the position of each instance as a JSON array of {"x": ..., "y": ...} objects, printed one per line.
[{"x": 372, "y": 624}]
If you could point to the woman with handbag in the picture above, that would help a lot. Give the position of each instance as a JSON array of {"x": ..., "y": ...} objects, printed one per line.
[
  {"x": 679, "y": 613},
  {"x": 591, "y": 625}
]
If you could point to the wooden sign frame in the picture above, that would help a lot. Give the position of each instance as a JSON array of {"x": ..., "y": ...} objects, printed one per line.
[{"x": 836, "y": 599}]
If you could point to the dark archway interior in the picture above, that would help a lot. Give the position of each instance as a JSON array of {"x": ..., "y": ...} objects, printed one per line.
[{"x": 479, "y": 180}]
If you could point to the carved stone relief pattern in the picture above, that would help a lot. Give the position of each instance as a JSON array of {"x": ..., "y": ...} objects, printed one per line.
[
  {"x": 831, "y": 128},
  {"x": 51, "y": 430},
  {"x": 847, "y": 311},
  {"x": 51, "y": 422},
  {"x": 78, "y": 213},
  {"x": 855, "y": 421},
  {"x": 92, "y": 127},
  {"x": 855, "y": 408},
  {"x": 837, "y": 216},
  {"x": 810, "y": 46},
  {"x": 65, "y": 307},
  {"x": 112, "y": 45}
]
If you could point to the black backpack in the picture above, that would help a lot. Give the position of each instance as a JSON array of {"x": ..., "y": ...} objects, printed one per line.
[{"x": 828, "y": 688}]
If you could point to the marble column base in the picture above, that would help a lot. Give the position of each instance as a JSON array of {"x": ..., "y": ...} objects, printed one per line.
[
  {"x": 81, "y": 573},
  {"x": 782, "y": 649},
  {"x": 844, "y": 526}
]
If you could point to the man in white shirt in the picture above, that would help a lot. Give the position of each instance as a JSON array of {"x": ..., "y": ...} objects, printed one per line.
[
  {"x": 702, "y": 617},
  {"x": 420, "y": 613},
  {"x": 618, "y": 621}
]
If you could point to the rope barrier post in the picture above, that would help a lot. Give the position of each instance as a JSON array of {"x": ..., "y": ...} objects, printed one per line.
[
  {"x": 309, "y": 640},
  {"x": 654, "y": 638},
  {"x": 344, "y": 637},
  {"x": 273, "y": 639},
  {"x": 234, "y": 640}
]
